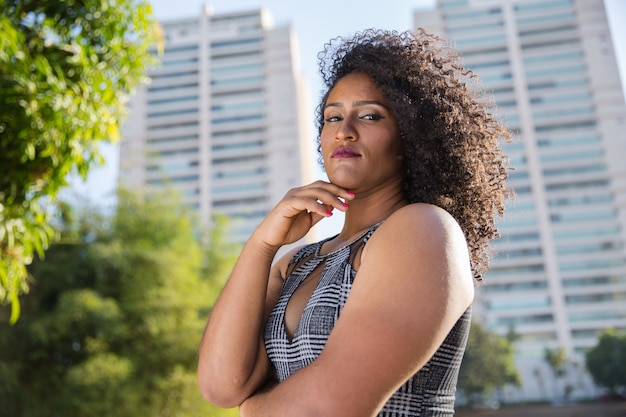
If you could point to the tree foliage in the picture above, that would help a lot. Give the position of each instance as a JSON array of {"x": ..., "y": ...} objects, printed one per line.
[
  {"x": 113, "y": 326},
  {"x": 557, "y": 360},
  {"x": 66, "y": 69},
  {"x": 607, "y": 360},
  {"x": 488, "y": 363}
]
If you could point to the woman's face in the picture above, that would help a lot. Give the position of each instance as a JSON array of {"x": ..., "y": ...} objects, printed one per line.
[{"x": 360, "y": 138}]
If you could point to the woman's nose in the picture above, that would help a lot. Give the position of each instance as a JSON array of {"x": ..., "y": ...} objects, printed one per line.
[{"x": 346, "y": 130}]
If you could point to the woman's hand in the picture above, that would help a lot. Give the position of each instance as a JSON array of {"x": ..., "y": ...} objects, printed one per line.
[{"x": 300, "y": 210}]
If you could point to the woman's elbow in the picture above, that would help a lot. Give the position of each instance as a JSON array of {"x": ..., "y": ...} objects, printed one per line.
[
  {"x": 220, "y": 387},
  {"x": 220, "y": 393},
  {"x": 228, "y": 386}
]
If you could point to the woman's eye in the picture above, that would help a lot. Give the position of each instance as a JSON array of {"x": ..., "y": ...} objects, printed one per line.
[
  {"x": 372, "y": 116},
  {"x": 332, "y": 119}
]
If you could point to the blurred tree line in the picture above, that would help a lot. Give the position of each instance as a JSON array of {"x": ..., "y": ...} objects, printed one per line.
[
  {"x": 606, "y": 363},
  {"x": 66, "y": 70},
  {"x": 489, "y": 364},
  {"x": 114, "y": 319}
]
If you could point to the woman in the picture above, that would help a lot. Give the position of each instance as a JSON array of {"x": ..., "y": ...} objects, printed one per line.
[{"x": 372, "y": 321}]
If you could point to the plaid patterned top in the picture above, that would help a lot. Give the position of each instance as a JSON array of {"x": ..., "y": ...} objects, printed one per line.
[{"x": 430, "y": 392}]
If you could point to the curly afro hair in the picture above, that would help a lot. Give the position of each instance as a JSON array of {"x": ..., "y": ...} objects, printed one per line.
[{"x": 450, "y": 135}]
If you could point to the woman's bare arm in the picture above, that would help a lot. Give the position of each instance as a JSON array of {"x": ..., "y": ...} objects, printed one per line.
[{"x": 232, "y": 359}]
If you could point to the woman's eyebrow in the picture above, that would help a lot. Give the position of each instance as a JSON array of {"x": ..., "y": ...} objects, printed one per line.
[
  {"x": 367, "y": 103},
  {"x": 357, "y": 103}
]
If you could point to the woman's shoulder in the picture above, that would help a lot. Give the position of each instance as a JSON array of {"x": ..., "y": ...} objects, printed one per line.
[
  {"x": 417, "y": 234},
  {"x": 422, "y": 219}
]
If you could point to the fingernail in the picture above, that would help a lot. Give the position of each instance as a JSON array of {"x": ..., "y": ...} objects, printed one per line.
[
  {"x": 344, "y": 204},
  {"x": 351, "y": 193},
  {"x": 330, "y": 213}
]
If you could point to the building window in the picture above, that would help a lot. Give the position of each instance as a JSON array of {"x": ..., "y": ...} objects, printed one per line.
[
  {"x": 527, "y": 302},
  {"x": 596, "y": 231},
  {"x": 591, "y": 265},
  {"x": 513, "y": 287},
  {"x": 595, "y": 298}
]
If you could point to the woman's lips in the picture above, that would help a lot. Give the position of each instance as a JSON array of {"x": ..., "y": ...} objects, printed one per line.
[{"x": 345, "y": 152}]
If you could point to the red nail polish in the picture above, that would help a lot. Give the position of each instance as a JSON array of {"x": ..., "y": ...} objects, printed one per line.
[
  {"x": 330, "y": 213},
  {"x": 351, "y": 193}
]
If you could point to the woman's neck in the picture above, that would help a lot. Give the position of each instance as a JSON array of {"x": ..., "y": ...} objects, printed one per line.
[{"x": 367, "y": 210}]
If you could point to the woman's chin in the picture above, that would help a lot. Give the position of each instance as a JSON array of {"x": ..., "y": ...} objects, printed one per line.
[{"x": 347, "y": 183}]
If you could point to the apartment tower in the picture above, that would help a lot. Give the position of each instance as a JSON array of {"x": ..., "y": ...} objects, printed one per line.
[
  {"x": 559, "y": 276},
  {"x": 222, "y": 119}
]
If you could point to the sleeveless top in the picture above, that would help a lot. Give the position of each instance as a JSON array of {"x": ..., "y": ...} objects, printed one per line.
[{"x": 429, "y": 392}]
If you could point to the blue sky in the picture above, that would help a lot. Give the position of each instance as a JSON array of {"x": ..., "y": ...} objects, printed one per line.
[{"x": 314, "y": 23}]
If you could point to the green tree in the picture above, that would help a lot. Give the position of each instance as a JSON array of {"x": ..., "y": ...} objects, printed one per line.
[
  {"x": 66, "y": 70},
  {"x": 557, "y": 360},
  {"x": 607, "y": 360},
  {"x": 114, "y": 327},
  {"x": 488, "y": 363}
]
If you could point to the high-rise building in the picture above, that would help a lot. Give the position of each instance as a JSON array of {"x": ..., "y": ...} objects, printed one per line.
[
  {"x": 559, "y": 276},
  {"x": 223, "y": 120}
]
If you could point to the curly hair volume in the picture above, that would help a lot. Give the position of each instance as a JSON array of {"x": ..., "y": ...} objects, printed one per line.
[{"x": 450, "y": 135}]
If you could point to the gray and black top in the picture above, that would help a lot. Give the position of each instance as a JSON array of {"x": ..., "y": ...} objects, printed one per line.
[{"x": 430, "y": 392}]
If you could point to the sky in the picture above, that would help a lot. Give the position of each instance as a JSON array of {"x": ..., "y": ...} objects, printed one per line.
[{"x": 314, "y": 23}]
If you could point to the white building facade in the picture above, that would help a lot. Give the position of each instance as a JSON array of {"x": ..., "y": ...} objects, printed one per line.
[
  {"x": 559, "y": 277},
  {"x": 223, "y": 120}
]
